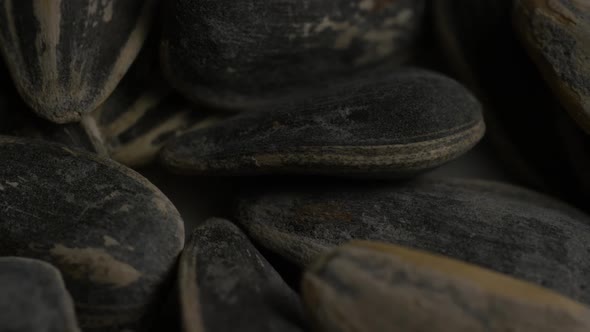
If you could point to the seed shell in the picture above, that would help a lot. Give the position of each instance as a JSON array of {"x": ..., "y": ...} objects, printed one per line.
[
  {"x": 368, "y": 286},
  {"x": 112, "y": 234},
  {"x": 556, "y": 34},
  {"x": 501, "y": 227},
  {"x": 242, "y": 55},
  {"x": 66, "y": 57},
  {"x": 227, "y": 285},
  {"x": 396, "y": 125},
  {"x": 33, "y": 297}
]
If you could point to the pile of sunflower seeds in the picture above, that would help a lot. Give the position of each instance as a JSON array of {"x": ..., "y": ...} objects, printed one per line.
[{"x": 302, "y": 142}]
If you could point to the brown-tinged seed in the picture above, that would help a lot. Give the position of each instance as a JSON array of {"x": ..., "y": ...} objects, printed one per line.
[{"x": 367, "y": 286}]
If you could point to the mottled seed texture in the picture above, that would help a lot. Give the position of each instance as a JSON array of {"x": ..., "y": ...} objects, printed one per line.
[
  {"x": 227, "y": 285},
  {"x": 112, "y": 234},
  {"x": 241, "y": 54},
  {"x": 557, "y": 36},
  {"x": 501, "y": 227},
  {"x": 394, "y": 124},
  {"x": 371, "y": 287},
  {"x": 66, "y": 57},
  {"x": 33, "y": 298}
]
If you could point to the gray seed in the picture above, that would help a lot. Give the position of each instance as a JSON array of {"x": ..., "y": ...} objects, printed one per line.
[
  {"x": 241, "y": 55},
  {"x": 367, "y": 286},
  {"x": 33, "y": 298},
  {"x": 227, "y": 285},
  {"x": 112, "y": 234},
  {"x": 67, "y": 57},
  {"x": 501, "y": 227},
  {"x": 557, "y": 36},
  {"x": 396, "y": 124}
]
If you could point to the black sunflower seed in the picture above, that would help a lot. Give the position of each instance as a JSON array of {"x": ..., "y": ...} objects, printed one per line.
[
  {"x": 501, "y": 227},
  {"x": 33, "y": 297},
  {"x": 241, "y": 55},
  {"x": 111, "y": 233},
  {"x": 67, "y": 57},
  {"x": 396, "y": 124},
  {"x": 225, "y": 284}
]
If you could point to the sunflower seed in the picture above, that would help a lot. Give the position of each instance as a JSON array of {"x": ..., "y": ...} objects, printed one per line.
[
  {"x": 241, "y": 55},
  {"x": 398, "y": 124},
  {"x": 111, "y": 233},
  {"x": 368, "y": 286},
  {"x": 557, "y": 35},
  {"x": 67, "y": 57},
  {"x": 227, "y": 285},
  {"x": 501, "y": 227},
  {"x": 33, "y": 297}
]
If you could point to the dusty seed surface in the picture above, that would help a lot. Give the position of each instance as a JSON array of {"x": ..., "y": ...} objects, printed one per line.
[
  {"x": 241, "y": 55},
  {"x": 389, "y": 124},
  {"x": 112, "y": 234},
  {"x": 225, "y": 284},
  {"x": 501, "y": 227}
]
